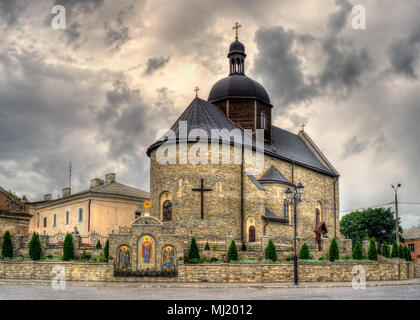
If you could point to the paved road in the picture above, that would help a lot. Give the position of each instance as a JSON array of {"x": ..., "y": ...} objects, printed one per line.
[{"x": 37, "y": 291}]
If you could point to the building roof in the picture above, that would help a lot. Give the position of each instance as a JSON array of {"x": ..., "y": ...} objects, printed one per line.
[
  {"x": 269, "y": 216},
  {"x": 273, "y": 175},
  {"x": 238, "y": 86},
  {"x": 113, "y": 189},
  {"x": 17, "y": 203},
  {"x": 255, "y": 181},
  {"x": 204, "y": 115},
  {"x": 236, "y": 47},
  {"x": 411, "y": 233}
]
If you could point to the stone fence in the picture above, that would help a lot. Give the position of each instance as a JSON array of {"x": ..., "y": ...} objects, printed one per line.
[{"x": 214, "y": 272}]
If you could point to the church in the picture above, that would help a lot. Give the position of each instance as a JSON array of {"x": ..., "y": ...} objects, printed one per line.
[{"x": 225, "y": 200}]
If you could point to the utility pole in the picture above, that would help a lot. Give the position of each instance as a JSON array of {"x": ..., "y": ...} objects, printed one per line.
[{"x": 397, "y": 227}]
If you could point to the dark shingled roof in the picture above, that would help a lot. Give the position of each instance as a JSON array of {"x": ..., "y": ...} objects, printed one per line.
[
  {"x": 269, "y": 216},
  {"x": 273, "y": 175},
  {"x": 238, "y": 86},
  {"x": 285, "y": 145},
  {"x": 255, "y": 181}
]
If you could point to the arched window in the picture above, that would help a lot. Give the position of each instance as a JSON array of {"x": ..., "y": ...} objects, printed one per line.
[
  {"x": 167, "y": 210},
  {"x": 251, "y": 233},
  {"x": 286, "y": 209},
  {"x": 263, "y": 120}
]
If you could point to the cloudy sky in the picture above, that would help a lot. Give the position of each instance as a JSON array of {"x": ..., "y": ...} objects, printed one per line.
[{"x": 96, "y": 92}]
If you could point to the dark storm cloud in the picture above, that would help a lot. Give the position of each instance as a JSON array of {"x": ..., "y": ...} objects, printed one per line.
[
  {"x": 354, "y": 146},
  {"x": 404, "y": 54},
  {"x": 154, "y": 64},
  {"x": 117, "y": 34},
  {"x": 10, "y": 10}
]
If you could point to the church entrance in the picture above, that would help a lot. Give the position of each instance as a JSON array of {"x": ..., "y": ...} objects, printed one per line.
[{"x": 251, "y": 233}]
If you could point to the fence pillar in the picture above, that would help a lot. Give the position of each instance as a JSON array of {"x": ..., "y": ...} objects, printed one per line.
[
  {"x": 77, "y": 241},
  {"x": 18, "y": 242},
  {"x": 365, "y": 245}
]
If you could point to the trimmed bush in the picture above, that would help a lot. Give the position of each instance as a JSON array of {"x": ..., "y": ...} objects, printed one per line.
[
  {"x": 270, "y": 251},
  {"x": 394, "y": 252},
  {"x": 68, "y": 247},
  {"x": 243, "y": 248},
  {"x": 232, "y": 252},
  {"x": 214, "y": 259},
  {"x": 407, "y": 253},
  {"x": 401, "y": 254},
  {"x": 385, "y": 250},
  {"x": 334, "y": 252},
  {"x": 207, "y": 246},
  {"x": 7, "y": 247},
  {"x": 35, "y": 247},
  {"x": 98, "y": 245},
  {"x": 304, "y": 252},
  {"x": 106, "y": 249},
  {"x": 372, "y": 253},
  {"x": 194, "y": 253},
  {"x": 358, "y": 251}
]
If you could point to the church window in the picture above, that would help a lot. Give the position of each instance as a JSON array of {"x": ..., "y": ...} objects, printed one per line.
[
  {"x": 251, "y": 233},
  {"x": 37, "y": 220},
  {"x": 286, "y": 209},
  {"x": 167, "y": 210},
  {"x": 67, "y": 217},
  {"x": 80, "y": 214},
  {"x": 263, "y": 120},
  {"x": 54, "y": 220},
  {"x": 45, "y": 222}
]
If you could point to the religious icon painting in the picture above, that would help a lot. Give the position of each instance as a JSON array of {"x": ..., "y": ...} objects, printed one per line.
[
  {"x": 146, "y": 255},
  {"x": 124, "y": 258},
  {"x": 168, "y": 258}
]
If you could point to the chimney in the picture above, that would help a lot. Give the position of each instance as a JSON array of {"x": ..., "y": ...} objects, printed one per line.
[
  {"x": 109, "y": 177},
  {"x": 65, "y": 192},
  {"x": 96, "y": 182},
  {"x": 48, "y": 197}
]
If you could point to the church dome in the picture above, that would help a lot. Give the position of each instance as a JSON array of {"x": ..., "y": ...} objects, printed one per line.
[
  {"x": 236, "y": 47},
  {"x": 238, "y": 86}
]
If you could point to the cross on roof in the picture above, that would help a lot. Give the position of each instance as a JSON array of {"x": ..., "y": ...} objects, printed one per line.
[
  {"x": 236, "y": 26},
  {"x": 196, "y": 91},
  {"x": 302, "y": 127}
]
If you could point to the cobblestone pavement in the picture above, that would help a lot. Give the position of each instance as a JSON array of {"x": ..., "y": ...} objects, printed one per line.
[{"x": 87, "y": 291}]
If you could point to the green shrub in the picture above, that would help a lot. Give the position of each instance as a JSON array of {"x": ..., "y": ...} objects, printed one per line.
[
  {"x": 35, "y": 247},
  {"x": 68, "y": 247},
  {"x": 304, "y": 252},
  {"x": 207, "y": 247},
  {"x": 214, "y": 259},
  {"x": 385, "y": 250},
  {"x": 98, "y": 245},
  {"x": 321, "y": 258},
  {"x": 372, "y": 253},
  {"x": 194, "y": 252},
  {"x": 106, "y": 249},
  {"x": 334, "y": 252},
  {"x": 358, "y": 251},
  {"x": 270, "y": 251},
  {"x": 401, "y": 252},
  {"x": 193, "y": 260},
  {"x": 86, "y": 256},
  {"x": 407, "y": 253},
  {"x": 50, "y": 256},
  {"x": 289, "y": 258},
  {"x": 346, "y": 257},
  {"x": 7, "y": 247},
  {"x": 394, "y": 252},
  {"x": 243, "y": 247},
  {"x": 100, "y": 259},
  {"x": 232, "y": 252}
]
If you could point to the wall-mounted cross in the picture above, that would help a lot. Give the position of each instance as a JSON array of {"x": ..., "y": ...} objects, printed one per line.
[{"x": 202, "y": 190}]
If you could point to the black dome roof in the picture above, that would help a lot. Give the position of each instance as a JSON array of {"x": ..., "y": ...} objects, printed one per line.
[
  {"x": 236, "y": 47},
  {"x": 238, "y": 86}
]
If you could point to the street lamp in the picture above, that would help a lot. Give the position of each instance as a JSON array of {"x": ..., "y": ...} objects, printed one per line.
[
  {"x": 294, "y": 198},
  {"x": 397, "y": 227}
]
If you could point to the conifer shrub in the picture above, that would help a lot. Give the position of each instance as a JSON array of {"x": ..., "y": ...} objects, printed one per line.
[
  {"x": 358, "y": 251},
  {"x": 394, "y": 252},
  {"x": 207, "y": 246},
  {"x": 35, "y": 247},
  {"x": 106, "y": 250},
  {"x": 401, "y": 252},
  {"x": 194, "y": 253},
  {"x": 304, "y": 252},
  {"x": 232, "y": 252},
  {"x": 98, "y": 244},
  {"x": 243, "y": 247},
  {"x": 407, "y": 253},
  {"x": 7, "y": 246},
  {"x": 385, "y": 250},
  {"x": 270, "y": 251},
  {"x": 372, "y": 252},
  {"x": 68, "y": 247},
  {"x": 334, "y": 252}
]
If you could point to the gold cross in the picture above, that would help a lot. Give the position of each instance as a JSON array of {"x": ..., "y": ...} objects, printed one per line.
[
  {"x": 196, "y": 91},
  {"x": 302, "y": 126},
  {"x": 236, "y": 26}
]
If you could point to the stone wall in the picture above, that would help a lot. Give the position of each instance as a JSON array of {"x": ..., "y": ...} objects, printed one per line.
[{"x": 213, "y": 272}]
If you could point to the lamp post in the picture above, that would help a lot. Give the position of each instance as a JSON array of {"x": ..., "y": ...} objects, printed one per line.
[
  {"x": 294, "y": 198},
  {"x": 397, "y": 227}
]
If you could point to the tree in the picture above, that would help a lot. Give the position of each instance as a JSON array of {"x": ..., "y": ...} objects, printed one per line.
[
  {"x": 334, "y": 252},
  {"x": 401, "y": 252},
  {"x": 207, "y": 246},
  {"x": 35, "y": 247},
  {"x": 376, "y": 223},
  {"x": 243, "y": 248},
  {"x": 394, "y": 252},
  {"x": 372, "y": 253},
  {"x": 232, "y": 251},
  {"x": 98, "y": 244},
  {"x": 194, "y": 252},
  {"x": 7, "y": 247},
  {"x": 385, "y": 250},
  {"x": 106, "y": 249},
  {"x": 270, "y": 251},
  {"x": 407, "y": 253},
  {"x": 68, "y": 247},
  {"x": 16, "y": 197},
  {"x": 304, "y": 252},
  {"x": 358, "y": 251}
]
